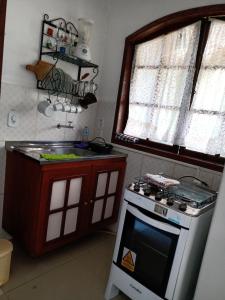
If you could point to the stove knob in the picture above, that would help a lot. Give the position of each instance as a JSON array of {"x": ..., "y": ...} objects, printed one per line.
[
  {"x": 147, "y": 191},
  {"x": 170, "y": 201},
  {"x": 183, "y": 206},
  {"x": 158, "y": 196},
  {"x": 136, "y": 187}
]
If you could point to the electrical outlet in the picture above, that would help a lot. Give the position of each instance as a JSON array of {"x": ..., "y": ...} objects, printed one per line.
[{"x": 12, "y": 119}]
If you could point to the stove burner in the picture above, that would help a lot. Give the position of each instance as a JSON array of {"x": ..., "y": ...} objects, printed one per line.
[
  {"x": 147, "y": 190},
  {"x": 170, "y": 201},
  {"x": 137, "y": 187},
  {"x": 158, "y": 196},
  {"x": 182, "y": 206},
  {"x": 180, "y": 196}
]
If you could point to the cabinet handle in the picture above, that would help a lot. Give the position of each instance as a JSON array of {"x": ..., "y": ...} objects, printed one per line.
[
  {"x": 85, "y": 203},
  {"x": 91, "y": 201}
]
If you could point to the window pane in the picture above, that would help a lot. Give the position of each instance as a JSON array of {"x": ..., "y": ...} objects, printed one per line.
[
  {"x": 144, "y": 84},
  {"x": 205, "y": 128},
  {"x": 203, "y": 134},
  {"x": 178, "y": 47},
  {"x": 163, "y": 126},
  {"x": 210, "y": 90},
  {"x": 149, "y": 53},
  {"x": 163, "y": 70},
  {"x": 171, "y": 85},
  {"x": 138, "y": 122},
  {"x": 215, "y": 48}
]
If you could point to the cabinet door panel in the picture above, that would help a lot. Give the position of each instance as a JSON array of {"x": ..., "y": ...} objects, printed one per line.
[
  {"x": 71, "y": 220},
  {"x": 109, "y": 207},
  {"x": 54, "y": 226},
  {"x": 108, "y": 176},
  {"x": 58, "y": 194},
  {"x": 101, "y": 184},
  {"x": 74, "y": 191},
  {"x": 97, "y": 212},
  {"x": 113, "y": 182}
]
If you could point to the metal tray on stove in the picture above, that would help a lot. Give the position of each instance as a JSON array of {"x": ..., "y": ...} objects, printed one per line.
[{"x": 189, "y": 192}]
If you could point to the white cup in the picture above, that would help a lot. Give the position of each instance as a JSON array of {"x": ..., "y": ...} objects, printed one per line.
[
  {"x": 66, "y": 107},
  {"x": 86, "y": 87},
  {"x": 58, "y": 106},
  {"x": 79, "y": 109},
  {"x": 45, "y": 108},
  {"x": 73, "y": 109}
]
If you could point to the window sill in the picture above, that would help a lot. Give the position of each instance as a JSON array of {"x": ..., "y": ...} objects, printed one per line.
[{"x": 193, "y": 158}]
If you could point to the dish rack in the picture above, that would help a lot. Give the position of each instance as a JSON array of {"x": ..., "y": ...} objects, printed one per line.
[{"x": 58, "y": 39}]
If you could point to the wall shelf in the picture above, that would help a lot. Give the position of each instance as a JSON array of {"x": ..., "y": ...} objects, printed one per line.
[
  {"x": 65, "y": 92},
  {"x": 65, "y": 35},
  {"x": 70, "y": 59}
]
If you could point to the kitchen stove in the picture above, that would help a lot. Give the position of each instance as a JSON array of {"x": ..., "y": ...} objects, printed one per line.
[
  {"x": 160, "y": 240},
  {"x": 185, "y": 197}
]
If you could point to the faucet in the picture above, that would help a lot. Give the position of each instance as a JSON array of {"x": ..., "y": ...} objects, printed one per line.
[{"x": 65, "y": 126}]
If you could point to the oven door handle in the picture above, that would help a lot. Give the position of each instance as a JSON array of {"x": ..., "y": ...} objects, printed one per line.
[{"x": 155, "y": 223}]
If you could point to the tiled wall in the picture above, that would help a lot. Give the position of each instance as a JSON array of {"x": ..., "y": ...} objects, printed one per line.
[
  {"x": 138, "y": 164},
  {"x": 33, "y": 125}
]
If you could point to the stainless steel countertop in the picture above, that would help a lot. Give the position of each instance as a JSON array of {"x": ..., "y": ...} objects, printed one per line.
[{"x": 33, "y": 149}]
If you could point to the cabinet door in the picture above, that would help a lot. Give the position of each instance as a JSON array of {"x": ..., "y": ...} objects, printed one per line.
[
  {"x": 108, "y": 182},
  {"x": 66, "y": 199}
]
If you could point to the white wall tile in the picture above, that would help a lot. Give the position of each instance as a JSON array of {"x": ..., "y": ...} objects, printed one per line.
[
  {"x": 24, "y": 102},
  {"x": 134, "y": 163},
  {"x": 157, "y": 165},
  {"x": 206, "y": 176},
  {"x": 183, "y": 170},
  {"x": 47, "y": 128},
  {"x": 216, "y": 181},
  {"x": 79, "y": 121}
]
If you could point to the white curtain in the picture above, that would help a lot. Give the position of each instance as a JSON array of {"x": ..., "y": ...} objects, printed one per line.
[
  {"x": 160, "y": 87},
  {"x": 205, "y": 125}
]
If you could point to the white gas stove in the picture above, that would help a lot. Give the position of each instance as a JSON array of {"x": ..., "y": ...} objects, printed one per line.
[{"x": 160, "y": 241}]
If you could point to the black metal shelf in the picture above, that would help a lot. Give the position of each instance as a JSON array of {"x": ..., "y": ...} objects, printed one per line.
[
  {"x": 70, "y": 59},
  {"x": 56, "y": 81}
]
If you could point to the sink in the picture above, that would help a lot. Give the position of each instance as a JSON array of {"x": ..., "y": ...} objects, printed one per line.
[
  {"x": 77, "y": 151},
  {"x": 55, "y": 149}
]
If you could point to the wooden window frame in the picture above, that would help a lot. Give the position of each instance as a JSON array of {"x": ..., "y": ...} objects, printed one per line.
[
  {"x": 3, "y": 4},
  {"x": 156, "y": 28}
]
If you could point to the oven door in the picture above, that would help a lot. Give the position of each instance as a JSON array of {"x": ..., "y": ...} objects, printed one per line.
[{"x": 150, "y": 250}]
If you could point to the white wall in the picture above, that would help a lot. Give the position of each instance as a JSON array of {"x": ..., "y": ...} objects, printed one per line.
[
  {"x": 22, "y": 38},
  {"x": 211, "y": 279}
]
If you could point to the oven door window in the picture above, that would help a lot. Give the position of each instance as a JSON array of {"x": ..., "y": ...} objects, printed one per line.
[{"x": 146, "y": 253}]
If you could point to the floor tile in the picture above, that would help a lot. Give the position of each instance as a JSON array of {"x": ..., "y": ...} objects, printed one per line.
[
  {"x": 83, "y": 277},
  {"x": 25, "y": 268},
  {"x": 3, "y": 297}
]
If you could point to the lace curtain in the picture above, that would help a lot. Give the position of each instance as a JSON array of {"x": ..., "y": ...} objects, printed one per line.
[
  {"x": 205, "y": 125},
  {"x": 160, "y": 86}
]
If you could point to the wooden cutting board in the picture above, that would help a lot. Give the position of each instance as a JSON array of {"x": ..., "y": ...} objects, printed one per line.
[{"x": 40, "y": 69}]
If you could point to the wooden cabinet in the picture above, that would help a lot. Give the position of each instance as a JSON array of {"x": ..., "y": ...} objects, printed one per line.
[
  {"x": 104, "y": 204},
  {"x": 47, "y": 206}
]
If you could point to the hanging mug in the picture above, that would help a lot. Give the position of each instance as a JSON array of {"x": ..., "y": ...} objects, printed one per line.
[
  {"x": 66, "y": 107},
  {"x": 73, "y": 109},
  {"x": 45, "y": 108},
  {"x": 58, "y": 106},
  {"x": 93, "y": 87}
]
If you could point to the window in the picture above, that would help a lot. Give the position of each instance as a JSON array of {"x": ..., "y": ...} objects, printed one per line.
[
  {"x": 2, "y": 30},
  {"x": 171, "y": 99}
]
